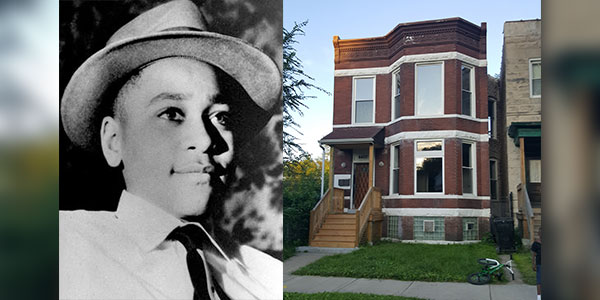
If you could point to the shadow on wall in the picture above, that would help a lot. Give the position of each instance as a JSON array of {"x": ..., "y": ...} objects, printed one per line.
[{"x": 253, "y": 214}]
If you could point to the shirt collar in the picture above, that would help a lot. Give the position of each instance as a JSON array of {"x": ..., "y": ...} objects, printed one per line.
[{"x": 148, "y": 224}]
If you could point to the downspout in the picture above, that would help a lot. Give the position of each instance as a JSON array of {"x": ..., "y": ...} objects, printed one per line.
[{"x": 322, "y": 170}]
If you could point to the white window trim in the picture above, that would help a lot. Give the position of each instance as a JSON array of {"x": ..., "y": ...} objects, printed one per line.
[
  {"x": 354, "y": 98},
  {"x": 531, "y": 62},
  {"x": 392, "y": 156},
  {"x": 417, "y": 154},
  {"x": 473, "y": 164},
  {"x": 395, "y": 73},
  {"x": 437, "y": 212},
  {"x": 413, "y": 58},
  {"x": 416, "y": 113},
  {"x": 495, "y": 173},
  {"x": 473, "y": 90}
]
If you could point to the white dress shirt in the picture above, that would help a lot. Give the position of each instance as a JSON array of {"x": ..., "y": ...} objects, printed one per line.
[{"x": 124, "y": 255}]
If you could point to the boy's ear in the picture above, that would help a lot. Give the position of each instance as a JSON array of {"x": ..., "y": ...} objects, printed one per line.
[{"x": 110, "y": 137}]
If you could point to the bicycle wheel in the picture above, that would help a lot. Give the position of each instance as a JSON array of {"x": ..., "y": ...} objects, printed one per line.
[{"x": 478, "y": 278}]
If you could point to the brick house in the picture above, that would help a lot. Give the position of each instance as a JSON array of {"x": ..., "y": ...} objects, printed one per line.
[{"x": 410, "y": 136}]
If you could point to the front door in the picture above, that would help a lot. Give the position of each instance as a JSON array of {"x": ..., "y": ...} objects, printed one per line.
[{"x": 361, "y": 183}]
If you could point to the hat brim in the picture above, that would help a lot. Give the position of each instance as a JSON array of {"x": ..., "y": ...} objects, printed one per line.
[{"x": 87, "y": 89}]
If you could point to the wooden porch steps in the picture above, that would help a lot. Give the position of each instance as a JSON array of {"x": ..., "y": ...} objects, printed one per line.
[{"x": 338, "y": 231}]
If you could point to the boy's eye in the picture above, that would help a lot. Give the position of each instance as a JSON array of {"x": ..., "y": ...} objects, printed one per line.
[
  {"x": 172, "y": 114},
  {"x": 222, "y": 117}
]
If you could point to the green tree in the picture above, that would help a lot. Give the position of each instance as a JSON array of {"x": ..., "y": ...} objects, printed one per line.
[
  {"x": 301, "y": 191},
  {"x": 294, "y": 83}
]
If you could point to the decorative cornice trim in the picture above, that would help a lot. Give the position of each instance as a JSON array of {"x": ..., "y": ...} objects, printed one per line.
[{"x": 412, "y": 59}]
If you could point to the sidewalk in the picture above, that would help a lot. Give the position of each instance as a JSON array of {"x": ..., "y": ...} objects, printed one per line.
[{"x": 425, "y": 290}]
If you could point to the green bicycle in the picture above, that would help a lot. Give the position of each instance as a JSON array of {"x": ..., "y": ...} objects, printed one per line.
[{"x": 491, "y": 267}]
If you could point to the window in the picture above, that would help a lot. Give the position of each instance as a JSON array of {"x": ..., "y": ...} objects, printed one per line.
[
  {"x": 428, "y": 228},
  {"x": 493, "y": 180},
  {"x": 535, "y": 170},
  {"x": 535, "y": 78},
  {"x": 491, "y": 117},
  {"x": 396, "y": 100},
  {"x": 364, "y": 95},
  {"x": 470, "y": 232},
  {"x": 394, "y": 227},
  {"x": 429, "y": 167},
  {"x": 429, "y": 89},
  {"x": 467, "y": 87},
  {"x": 467, "y": 168},
  {"x": 395, "y": 169}
]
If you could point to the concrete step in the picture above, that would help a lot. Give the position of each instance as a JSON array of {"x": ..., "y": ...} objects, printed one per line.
[
  {"x": 332, "y": 244},
  {"x": 334, "y": 238}
]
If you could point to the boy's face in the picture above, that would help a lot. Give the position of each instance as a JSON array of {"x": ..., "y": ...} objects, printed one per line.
[{"x": 174, "y": 135}]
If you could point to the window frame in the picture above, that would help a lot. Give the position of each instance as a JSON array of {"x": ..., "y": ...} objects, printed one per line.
[
  {"x": 416, "y": 109},
  {"x": 354, "y": 78},
  {"x": 495, "y": 161},
  {"x": 533, "y": 61},
  {"x": 473, "y": 167},
  {"x": 475, "y": 231},
  {"x": 396, "y": 77},
  {"x": 428, "y": 154},
  {"x": 394, "y": 150},
  {"x": 472, "y": 90},
  {"x": 493, "y": 121}
]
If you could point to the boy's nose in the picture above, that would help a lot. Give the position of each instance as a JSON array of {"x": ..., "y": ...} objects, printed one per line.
[{"x": 197, "y": 136}]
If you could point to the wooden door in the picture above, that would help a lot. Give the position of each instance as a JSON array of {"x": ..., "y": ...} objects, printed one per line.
[{"x": 361, "y": 183}]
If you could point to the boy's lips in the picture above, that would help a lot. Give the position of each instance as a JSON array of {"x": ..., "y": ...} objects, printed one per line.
[{"x": 193, "y": 168}]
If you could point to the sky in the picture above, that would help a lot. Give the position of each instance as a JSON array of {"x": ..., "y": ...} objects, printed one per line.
[
  {"x": 350, "y": 19},
  {"x": 28, "y": 69}
]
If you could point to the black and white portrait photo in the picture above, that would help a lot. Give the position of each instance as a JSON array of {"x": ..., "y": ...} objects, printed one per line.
[{"x": 170, "y": 150}]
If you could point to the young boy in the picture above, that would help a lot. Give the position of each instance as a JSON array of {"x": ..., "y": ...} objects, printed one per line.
[{"x": 167, "y": 103}]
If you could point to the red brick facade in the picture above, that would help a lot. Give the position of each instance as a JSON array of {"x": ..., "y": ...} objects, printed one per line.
[{"x": 454, "y": 43}]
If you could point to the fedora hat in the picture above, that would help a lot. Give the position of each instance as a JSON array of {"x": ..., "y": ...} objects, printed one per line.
[{"x": 173, "y": 29}]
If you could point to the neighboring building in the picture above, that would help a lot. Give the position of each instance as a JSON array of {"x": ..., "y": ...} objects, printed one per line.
[
  {"x": 410, "y": 120},
  {"x": 499, "y": 197},
  {"x": 520, "y": 87}
]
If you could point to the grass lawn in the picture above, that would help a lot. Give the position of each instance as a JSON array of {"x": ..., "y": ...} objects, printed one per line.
[
  {"x": 402, "y": 261},
  {"x": 341, "y": 296},
  {"x": 522, "y": 261}
]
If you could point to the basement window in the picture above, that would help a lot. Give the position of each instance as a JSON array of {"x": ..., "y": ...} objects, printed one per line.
[
  {"x": 470, "y": 232},
  {"x": 429, "y": 228}
]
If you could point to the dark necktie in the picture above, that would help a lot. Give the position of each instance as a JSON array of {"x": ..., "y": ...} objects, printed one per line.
[{"x": 193, "y": 238}]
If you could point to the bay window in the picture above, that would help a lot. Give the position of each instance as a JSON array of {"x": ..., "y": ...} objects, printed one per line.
[
  {"x": 429, "y": 167},
  {"x": 364, "y": 98},
  {"x": 467, "y": 88},
  {"x": 429, "y": 89}
]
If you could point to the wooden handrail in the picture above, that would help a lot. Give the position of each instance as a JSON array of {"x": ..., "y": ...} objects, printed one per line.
[
  {"x": 370, "y": 203},
  {"x": 525, "y": 207},
  {"x": 330, "y": 203}
]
